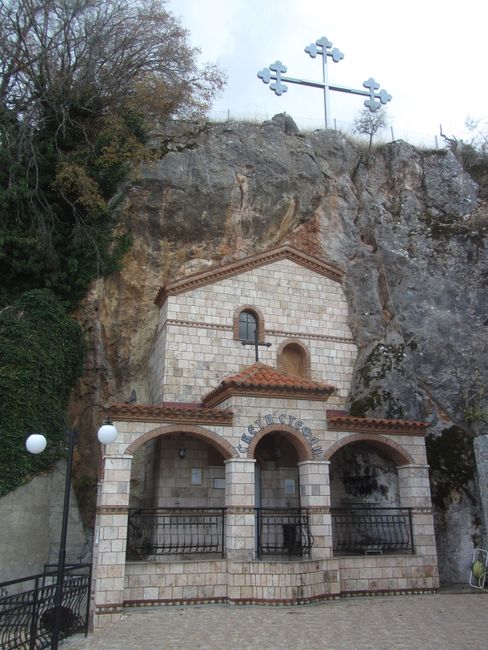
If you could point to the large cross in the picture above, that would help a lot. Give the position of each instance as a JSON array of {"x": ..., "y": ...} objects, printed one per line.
[
  {"x": 256, "y": 344},
  {"x": 323, "y": 47}
]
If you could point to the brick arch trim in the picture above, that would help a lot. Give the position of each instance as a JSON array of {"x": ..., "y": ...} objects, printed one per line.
[
  {"x": 259, "y": 317},
  {"x": 211, "y": 438},
  {"x": 303, "y": 450},
  {"x": 396, "y": 452},
  {"x": 302, "y": 347}
]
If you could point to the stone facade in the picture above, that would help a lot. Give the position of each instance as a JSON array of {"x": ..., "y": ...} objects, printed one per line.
[{"x": 226, "y": 434}]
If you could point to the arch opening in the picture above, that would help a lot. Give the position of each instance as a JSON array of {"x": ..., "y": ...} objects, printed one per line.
[
  {"x": 362, "y": 474},
  {"x": 177, "y": 494},
  {"x": 277, "y": 477}
]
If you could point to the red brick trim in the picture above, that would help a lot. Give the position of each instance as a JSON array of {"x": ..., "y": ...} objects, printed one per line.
[
  {"x": 258, "y": 314},
  {"x": 409, "y": 591},
  {"x": 311, "y": 336},
  {"x": 304, "y": 350},
  {"x": 303, "y": 450},
  {"x": 177, "y": 601},
  {"x": 109, "y": 608},
  {"x": 181, "y": 413},
  {"x": 278, "y": 601},
  {"x": 269, "y": 332},
  {"x": 397, "y": 453},
  {"x": 234, "y": 601},
  {"x": 112, "y": 510},
  {"x": 211, "y": 438},
  {"x": 239, "y": 510},
  {"x": 241, "y": 266}
]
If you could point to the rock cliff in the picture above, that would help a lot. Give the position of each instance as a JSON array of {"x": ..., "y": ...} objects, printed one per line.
[{"x": 407, "y": 227}]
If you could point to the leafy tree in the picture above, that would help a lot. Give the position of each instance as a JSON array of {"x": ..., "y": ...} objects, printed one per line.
[
  {"x": 81, "y": 82},
  {"x": 368, "y": 123}
]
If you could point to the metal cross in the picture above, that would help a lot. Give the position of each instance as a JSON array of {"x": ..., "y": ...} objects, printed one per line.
[
  {"x": 323, "y": 47},
  {"x": 256, "y": 345}
]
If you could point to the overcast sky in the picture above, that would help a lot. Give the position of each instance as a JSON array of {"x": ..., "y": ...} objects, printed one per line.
[{"x": 430, "y": 55}]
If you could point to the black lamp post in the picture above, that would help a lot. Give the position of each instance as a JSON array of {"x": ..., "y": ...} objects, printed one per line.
[{"x": 36, "y": 443}]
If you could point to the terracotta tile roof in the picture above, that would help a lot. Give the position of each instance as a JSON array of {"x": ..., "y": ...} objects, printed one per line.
[
  {"x": 230, "y": 269},
  {"x": 184, "y": 413},
  {"x": 339, "y": 421},
  {"x": 262, "y": 379}
]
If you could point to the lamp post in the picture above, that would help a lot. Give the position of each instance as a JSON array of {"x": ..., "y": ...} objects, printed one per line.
[{"x": 36, "y": 443}]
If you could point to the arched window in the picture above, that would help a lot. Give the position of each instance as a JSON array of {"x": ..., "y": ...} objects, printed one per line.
[
  {"x": 247, "y": 321},
  {"x": 247, "y": 326}
]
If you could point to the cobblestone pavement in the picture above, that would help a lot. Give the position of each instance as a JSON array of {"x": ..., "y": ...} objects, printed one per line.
[{"x": 443, "y": 621}]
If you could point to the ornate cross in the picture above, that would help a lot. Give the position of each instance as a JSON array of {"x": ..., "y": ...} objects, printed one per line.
[{"x": 323, "y": 47}]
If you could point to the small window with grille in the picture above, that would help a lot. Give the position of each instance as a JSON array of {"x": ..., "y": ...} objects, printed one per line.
[{"x": 247, "y": 326}]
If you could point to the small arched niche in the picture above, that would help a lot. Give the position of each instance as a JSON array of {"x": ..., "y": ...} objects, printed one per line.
[{"x": 294, "y": 359}]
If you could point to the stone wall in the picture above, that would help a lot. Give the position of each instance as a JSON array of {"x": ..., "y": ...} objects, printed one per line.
[
  {"x": 31, "y": 530},
  {"x": 274, "y": 583},
  {"x": 195, "y": 346}
]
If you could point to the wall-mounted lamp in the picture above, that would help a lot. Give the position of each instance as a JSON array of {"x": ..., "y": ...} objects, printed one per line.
[{"x": 182, "y": 452}]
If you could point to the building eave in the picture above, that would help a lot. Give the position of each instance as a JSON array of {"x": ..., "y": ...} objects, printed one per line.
[
  {"x": 340, "y": 422},
  {"x": 224, "y": 271},
  {"x": 221, "y": 394},
  {"x": 184, "y": 414}
]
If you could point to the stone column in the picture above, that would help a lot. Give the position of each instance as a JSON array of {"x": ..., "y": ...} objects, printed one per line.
[
  {"x": 480, "y": 447},
  {"x": 240, "y": 517},
  {"x": 415, "y": 494},
  {"x": 414, "y": 484},
  {"x": 109, "y": 553},
  {"x": 315, "y": 497}
]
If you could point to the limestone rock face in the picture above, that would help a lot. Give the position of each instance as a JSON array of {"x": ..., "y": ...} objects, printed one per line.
[{"x": 406, "y": 226}]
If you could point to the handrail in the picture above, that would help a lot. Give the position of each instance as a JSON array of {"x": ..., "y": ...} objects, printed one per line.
[
  {"x": 175, "y": 530},
  {"x": 27, "y": 617},
  {"x": 283, "y": 531},
  {"x": 370, "y": 529}
]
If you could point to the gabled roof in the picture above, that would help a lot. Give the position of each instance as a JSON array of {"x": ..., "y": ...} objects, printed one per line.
[
  {"x": 247, "y": 264},
  {"x": 261, "y": 380}
]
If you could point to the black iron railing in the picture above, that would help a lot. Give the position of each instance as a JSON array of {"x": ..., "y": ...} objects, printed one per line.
[
  {"x": 27, "y": 608},
  {"x": 164, "y": 531},
  {"x": 359, "y": 529},
  {"x": 283, "y": 531}
]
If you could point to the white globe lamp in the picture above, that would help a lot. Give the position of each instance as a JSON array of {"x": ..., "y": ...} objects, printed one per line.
[
  {"x": 107, "y": 433},
  {"x": 36, "y": 443}
]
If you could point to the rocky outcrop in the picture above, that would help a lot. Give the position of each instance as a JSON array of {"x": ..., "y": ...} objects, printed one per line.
[{"x": 406, "y": 226}]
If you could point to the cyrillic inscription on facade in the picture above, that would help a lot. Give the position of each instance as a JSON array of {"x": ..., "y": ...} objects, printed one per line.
[{"x": 283, "y": 418}]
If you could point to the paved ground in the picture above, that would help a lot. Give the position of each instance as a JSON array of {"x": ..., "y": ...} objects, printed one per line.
[{"x": 446, "y": 621}]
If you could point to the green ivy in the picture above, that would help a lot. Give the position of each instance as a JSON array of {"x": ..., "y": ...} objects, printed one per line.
[{"x": 41, "y": 355}]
